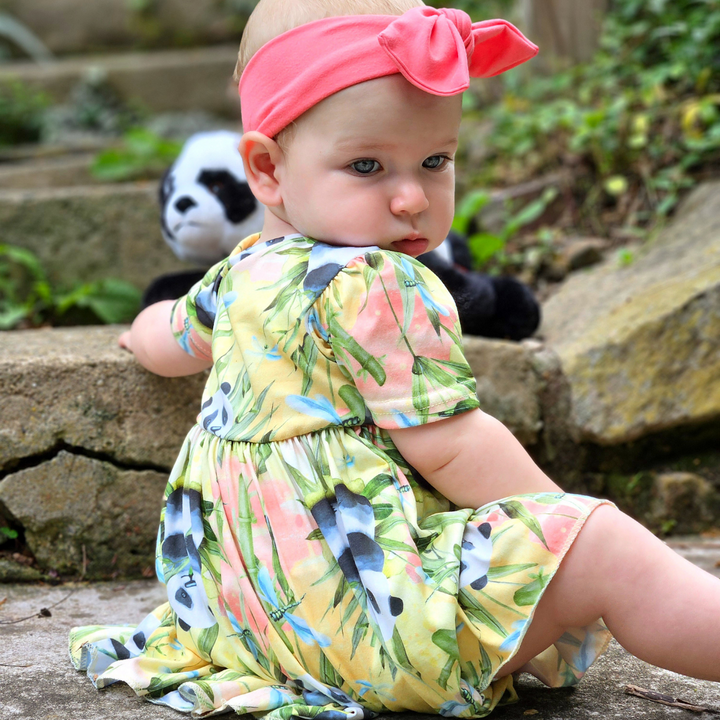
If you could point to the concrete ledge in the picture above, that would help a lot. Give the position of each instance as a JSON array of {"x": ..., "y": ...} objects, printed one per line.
[
  {"x": 38, "y": 682},
  {"x": 102, "y": 24},
  {"x": 199, "y": 79},
  {"x": 87, "y": 437},
  {"x": 89, "y": 233},
  {"x": 75, "y": 387}
]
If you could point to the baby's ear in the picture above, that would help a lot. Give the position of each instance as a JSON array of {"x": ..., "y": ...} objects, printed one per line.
[{"x": 261, "y": 155}]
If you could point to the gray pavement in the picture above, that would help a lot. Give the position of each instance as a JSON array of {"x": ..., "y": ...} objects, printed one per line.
[{"x": 38, "y": 682}]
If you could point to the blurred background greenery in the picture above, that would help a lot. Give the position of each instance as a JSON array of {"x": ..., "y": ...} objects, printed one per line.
[{"x": 600, "y": 136}]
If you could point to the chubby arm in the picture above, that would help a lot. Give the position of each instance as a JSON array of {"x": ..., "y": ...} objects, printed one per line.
[
  {"x": 152, "y": 342},
  {"x": 472, "y": 459}
]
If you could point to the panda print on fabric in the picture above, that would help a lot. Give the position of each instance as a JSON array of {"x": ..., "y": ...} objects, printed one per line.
[
  {"x": 475, "y": 556},
  {"x": 348, "y": 526},
  {"x": 181, "y": 569},
  {"x": 206, "y": 205}
]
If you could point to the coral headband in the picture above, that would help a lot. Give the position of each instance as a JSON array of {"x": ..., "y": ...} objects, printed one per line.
[{"x": 436, "y": 50}]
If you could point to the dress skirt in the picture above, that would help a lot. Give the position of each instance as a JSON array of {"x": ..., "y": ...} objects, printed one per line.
[{"x": 317, "y": 577}]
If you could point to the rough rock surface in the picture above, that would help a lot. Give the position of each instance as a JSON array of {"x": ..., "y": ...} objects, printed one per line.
[
  {"x": 85, "y": 517},
  {"x": 75, "y": 388},
  {"x": 507, "y": 384},
  {"x": 81, "y": 234},
  {"x": 38, "y": 682},
  {"x": 87, "y": 437},
  {"x": 640, "y": 344},
  {"x": 103, "y": 24},
  {"x": 161, "y": 81}
]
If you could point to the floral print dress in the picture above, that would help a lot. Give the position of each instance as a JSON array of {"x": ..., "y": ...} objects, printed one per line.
[{"x": 309, "y": 572}]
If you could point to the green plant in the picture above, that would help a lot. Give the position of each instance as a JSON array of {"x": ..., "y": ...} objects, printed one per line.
[
  {"x": 28, "y": 300},
  {"x": 21, "y": 113},
  {"x": 141, "y": 154},
  {"x": 485, "y": 245},
  {"x": 635, "y": 126},
  {"x": 8, "y": 534}
]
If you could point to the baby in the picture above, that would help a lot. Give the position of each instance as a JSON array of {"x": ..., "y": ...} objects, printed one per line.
[{"x": 345, "y": 531}]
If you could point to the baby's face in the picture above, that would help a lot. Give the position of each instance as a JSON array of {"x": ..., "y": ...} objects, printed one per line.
[{"x": 373, "y": 165}]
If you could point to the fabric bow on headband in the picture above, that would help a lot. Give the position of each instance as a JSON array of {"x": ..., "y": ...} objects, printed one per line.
[{"x": 436, "y": 50}]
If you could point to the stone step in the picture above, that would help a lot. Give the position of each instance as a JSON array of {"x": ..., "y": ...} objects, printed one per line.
[
  {"x": 39, "y": 682},
  {"x": 87, "y": 233},
  {"x": 78, "y": 413},
  {"x": 162, "y": 81},
  {"x": 76, "y": 26},
  {"x": 52, "y": 172},
  {"x": 640, "y": 343}
]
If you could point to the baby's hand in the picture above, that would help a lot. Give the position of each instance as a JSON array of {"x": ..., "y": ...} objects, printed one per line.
[{"x": 124, "y": 341}]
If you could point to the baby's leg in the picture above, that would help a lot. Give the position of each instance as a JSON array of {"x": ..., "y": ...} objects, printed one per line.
[{"x": 658, "y": 606}]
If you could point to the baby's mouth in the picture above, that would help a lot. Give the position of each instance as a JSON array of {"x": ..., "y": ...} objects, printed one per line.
[{"x": 412, "y": 246}]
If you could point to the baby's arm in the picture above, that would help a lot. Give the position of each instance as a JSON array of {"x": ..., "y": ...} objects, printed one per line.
[
  {"x": 472, "y": 459},
  {"x": 151, "y": 340}
]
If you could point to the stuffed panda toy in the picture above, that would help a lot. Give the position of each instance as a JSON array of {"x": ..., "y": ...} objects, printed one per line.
[{"x": 207, "y": 208}]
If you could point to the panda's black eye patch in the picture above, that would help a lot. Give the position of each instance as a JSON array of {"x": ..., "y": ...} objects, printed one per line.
[{"x": 234, "y": 196}]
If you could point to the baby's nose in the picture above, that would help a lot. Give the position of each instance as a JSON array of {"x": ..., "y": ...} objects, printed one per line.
[{"x": 409, "y": 198}]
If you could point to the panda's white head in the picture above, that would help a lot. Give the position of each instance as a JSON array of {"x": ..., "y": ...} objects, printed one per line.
[{"x": 205, "y": 203}]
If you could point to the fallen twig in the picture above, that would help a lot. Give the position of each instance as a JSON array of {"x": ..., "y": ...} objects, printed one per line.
[
  {"x": 43, "y": 612},
  {"x": 669, "y": 700}
]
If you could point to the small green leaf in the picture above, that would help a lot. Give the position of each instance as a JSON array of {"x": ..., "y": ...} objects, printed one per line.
[
  {"x": 484, "y": 245},
  {"x": 616, "y": 185}
]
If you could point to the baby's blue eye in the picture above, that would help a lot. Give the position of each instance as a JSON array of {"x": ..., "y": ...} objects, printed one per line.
[
  {"x": 365, "y": 167},
  {"x": 434, "y": 162}
]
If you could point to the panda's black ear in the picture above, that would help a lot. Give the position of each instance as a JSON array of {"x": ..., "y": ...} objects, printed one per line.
[{"x": 165, "y": 189}]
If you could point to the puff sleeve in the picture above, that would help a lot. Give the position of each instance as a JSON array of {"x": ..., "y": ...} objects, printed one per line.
[
  {"x": 394, "y": 331},
  {"x": 193, "y": 315}
]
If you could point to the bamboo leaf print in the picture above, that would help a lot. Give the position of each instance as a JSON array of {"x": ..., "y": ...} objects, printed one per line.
[
  {"x": 367, "y": 362},
  {"x": 530, "y": 594},
  {"x": 401, "y": 656},
  {"x": 473, "y": 608},
  {"x": 316, "y": 534},
  {"x": 407, "y": 284},
  {"x": 328, "y": 674},
  {"x": 377, "y": 485},
  {"x": 446, "y": 640},
  {"x": 361, "y": 629},
  {"x": 503, "y": 570},
  {"x": 419, "y": 391},
  {"x": 444, "y": 676},
  {"x": 353, "y": 399},
  {"x": 206, "y": 640},
  {"x": 517, "y": 511},
  {"x": 382, "y": 511}
]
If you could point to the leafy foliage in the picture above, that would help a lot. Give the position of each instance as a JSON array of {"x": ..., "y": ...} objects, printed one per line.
[
  {"x": 142, "y": 154},
  {"x": 28, "y": 300},
  {"x": 21, "y": 113},
  {"x": 485, "y": 245},
  {"x": 635, "y": 126}
]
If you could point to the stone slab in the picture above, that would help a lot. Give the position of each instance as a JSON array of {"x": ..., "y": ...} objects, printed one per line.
[
  {"x": 48, "y": 173},
  {"x": 83, "y": 517},
  {"x": 83, "y": 426},
  {"x": 103, "y": 24},
  {"x": 38, "y": 682},
  {"x": 508, "y": 384},
  {"x": 81, "y": 234},
  {"x": 640, "y": 344},
  {"x": 75, "y": 388},
  {"x": 161, "y": 81}
]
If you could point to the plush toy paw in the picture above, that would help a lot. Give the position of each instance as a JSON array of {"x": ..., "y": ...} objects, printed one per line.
[{"x": 492, "y": 307}]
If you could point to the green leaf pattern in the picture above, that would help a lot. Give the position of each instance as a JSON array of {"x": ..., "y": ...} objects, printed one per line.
[{"x": 314, "y": 363}]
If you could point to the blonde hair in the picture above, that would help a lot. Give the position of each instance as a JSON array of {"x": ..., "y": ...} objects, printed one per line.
[{"x": 274, "y": 17}]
